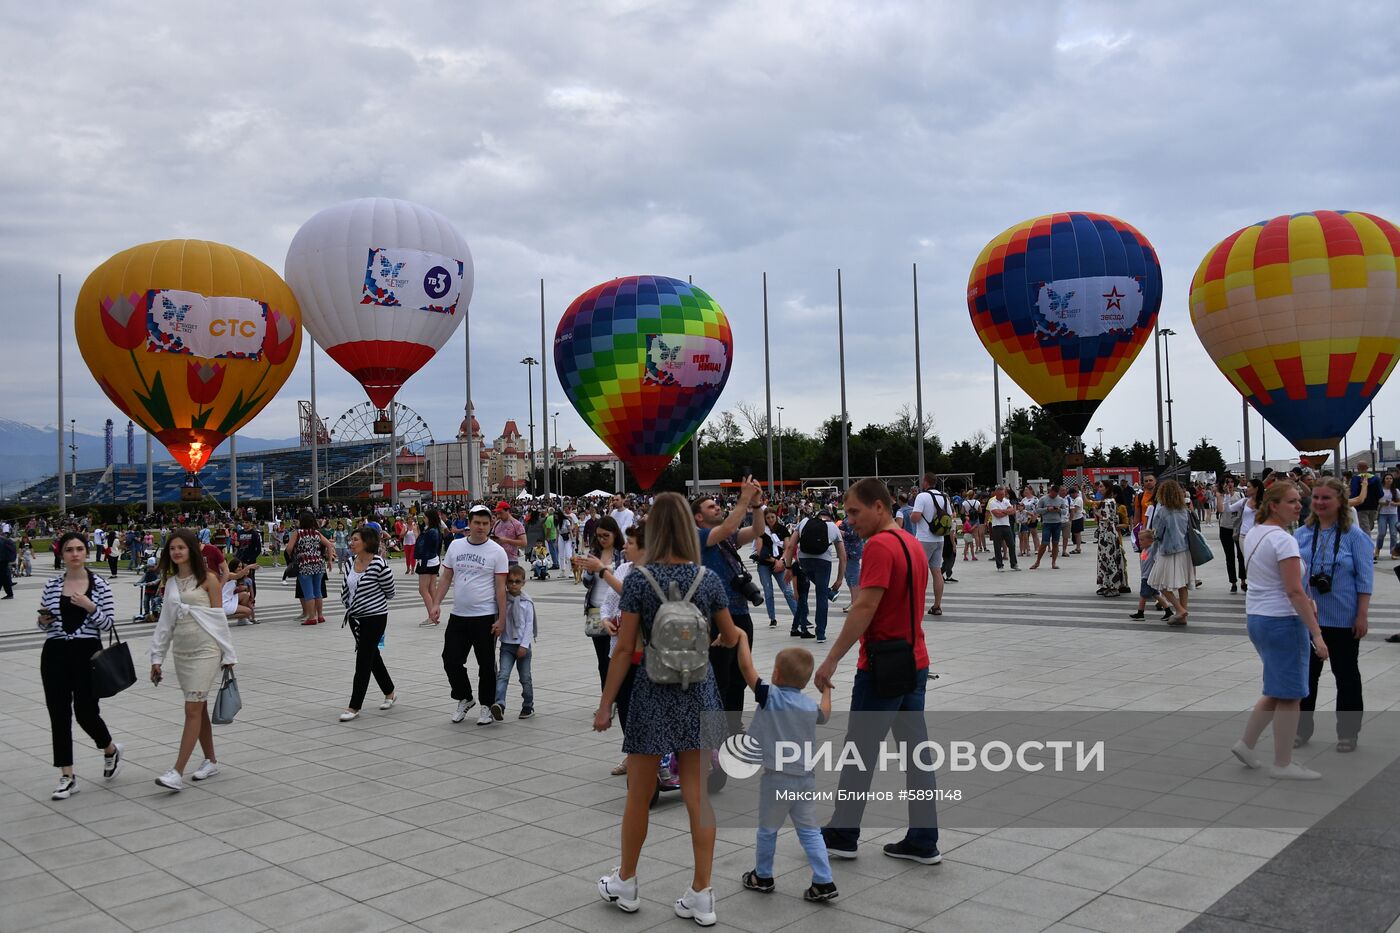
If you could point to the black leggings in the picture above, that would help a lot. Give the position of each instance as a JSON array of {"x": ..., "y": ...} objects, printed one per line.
[
  {"x": 65, "y": 666},
  {"x": 367, "y": 631},
  {"x": 728, "y": 677},
  {"x": 600, "y": 648},
  {"x": 1227, "y": 544}
]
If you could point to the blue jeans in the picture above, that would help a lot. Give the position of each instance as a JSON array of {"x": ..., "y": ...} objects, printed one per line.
[
  {"x": 507, "y": 661},
  {"x": 772, "y": 813},
  {"x": 816, "y": 574},
  {"x": 904, "y": 715},
  {"x": 553, "y": 546},
  {"x": 766, "y": 577},
  {"x": 1388, "y": 523}
]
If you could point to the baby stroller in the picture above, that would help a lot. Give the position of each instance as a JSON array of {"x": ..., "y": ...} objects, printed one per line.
[{"x": 151, "y": 599}]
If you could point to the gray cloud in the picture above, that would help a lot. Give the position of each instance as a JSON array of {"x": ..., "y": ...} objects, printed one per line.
[{"x": 576, "y": 141}]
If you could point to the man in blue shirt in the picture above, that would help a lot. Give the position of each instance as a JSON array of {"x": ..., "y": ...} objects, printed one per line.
[{"x": 720, "y": 538}]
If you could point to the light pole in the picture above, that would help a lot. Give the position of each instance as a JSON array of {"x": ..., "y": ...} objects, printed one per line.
[
  {"x": 1239, "y": 455},
  {"x": 1165, "y": 333},
  {"x": 1101, "y": 453},
  {"x": 877, "y": 463},
  {"x": 530, "y": 363},
  {"x": 780, "y": 445},
  {"x": 559, "y": 464}
]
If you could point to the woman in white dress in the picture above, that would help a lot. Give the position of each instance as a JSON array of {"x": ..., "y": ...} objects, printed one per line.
[{"x": 193, "y": 626}]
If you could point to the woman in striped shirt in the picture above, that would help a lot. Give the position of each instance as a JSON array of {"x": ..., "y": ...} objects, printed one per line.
[
  {"x": 366, "y": 590},
  {"x": 75, "y": 606}
]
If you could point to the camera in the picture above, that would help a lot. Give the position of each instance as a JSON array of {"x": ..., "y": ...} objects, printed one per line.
[
  {"x": 743, "y": 585},
  {"x": 1322, "y": 582}
]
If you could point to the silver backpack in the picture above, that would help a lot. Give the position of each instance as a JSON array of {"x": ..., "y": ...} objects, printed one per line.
[{"x": 678, "y": 651}]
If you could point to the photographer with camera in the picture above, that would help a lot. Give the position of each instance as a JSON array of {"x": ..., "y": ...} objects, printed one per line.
[
  {"x": 720, "y": 538},
  {"x": 1337, "y": 565}
]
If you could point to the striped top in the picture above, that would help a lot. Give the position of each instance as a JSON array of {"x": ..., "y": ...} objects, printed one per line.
[
  {"x": 1351, "y": 569},
  {"x": 371, "y": 592},
  {"x": 99, "y": 620}
]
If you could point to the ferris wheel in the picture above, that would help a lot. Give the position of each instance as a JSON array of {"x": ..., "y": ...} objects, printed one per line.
[{"x": 358, "y": 424}]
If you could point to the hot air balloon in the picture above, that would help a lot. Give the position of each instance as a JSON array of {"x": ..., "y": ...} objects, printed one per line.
[
  {"x": 1064, "y": 303},
  {"x": 382, "y": 284},
  {"x": 1300, "y": 313},
  {"x": 643, "y": 359},
  {"x": 189, "y": 338}
]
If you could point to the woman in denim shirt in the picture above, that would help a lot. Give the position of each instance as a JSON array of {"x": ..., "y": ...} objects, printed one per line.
[
  {"x": 1335, "y": 548},
  {"x": 1172, "y": 570}
]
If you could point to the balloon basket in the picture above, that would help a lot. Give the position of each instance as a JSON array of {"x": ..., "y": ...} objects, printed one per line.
[
  {"x": 383, "y": 424},
  {"x": 192, "y": 494}
]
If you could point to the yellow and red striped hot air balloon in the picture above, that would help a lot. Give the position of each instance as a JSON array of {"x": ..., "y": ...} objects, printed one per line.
[{"x": 1302, "y": 314}]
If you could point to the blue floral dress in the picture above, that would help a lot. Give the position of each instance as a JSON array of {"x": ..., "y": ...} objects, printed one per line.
[{"x": 664, "y": 718}]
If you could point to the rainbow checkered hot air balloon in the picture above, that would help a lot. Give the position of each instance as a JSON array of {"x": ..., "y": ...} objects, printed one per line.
[
  {"x": 643, "y": 358},
  {"x": 1063, "y": 303},
  {"x": 1300, "y": 313}
]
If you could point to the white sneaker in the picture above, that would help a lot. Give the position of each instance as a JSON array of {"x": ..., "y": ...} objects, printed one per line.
[
  {"x": 206, "y": 770},
  {"x": 350, "y": 715},
  {"x": 171, "y": 780},
  {"x": 486, "y": 719},
  {"x": 1294, "y": 772},
  {"x": 698, "y": 906},
  {"x": 111, "y": 765},
  {"x": 462, "y": 707},
  {"x": 1245, "y": 754},
  {"x": 68, "y": 786},
  {"x": 622, "y": 893}
]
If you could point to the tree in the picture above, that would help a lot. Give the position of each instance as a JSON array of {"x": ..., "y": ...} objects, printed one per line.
[
  {"x": 722, "y": 430},
  {"x": 1143, "y": 456},
  {"x": 1117, "y": 456},
  {"x": 756, "y": 420},
  {"x": 1205, "y": 457}
]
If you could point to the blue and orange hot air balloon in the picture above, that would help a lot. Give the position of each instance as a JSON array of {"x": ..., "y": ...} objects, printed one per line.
[
  {"x": 643, "y": 359},
  {"x": 1063, "y": 303},
  {"x": 1302, "y": 314}
]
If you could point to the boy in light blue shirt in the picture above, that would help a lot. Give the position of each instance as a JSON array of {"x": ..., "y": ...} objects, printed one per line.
[{"x": 785, "y": 714}]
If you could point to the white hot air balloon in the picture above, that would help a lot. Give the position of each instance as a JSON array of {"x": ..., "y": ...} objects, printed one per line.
[{"x": 382, "y": 284}]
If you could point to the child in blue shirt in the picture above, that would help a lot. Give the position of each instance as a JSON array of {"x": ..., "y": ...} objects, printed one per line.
[
  {"x": 517, "y": 643},
  {"x": 785, "y": 714}
]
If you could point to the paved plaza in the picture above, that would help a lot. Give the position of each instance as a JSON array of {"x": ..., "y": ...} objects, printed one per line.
[{"x": 402, "y": 820}]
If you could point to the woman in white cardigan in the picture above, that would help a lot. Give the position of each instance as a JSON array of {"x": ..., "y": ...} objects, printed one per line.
[{"x": 193, "y": 625}]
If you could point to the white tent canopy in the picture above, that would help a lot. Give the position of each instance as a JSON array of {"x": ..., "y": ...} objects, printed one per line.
[
  {"x": 597, "y": 494},
  {"x": 524, "y": 495}
]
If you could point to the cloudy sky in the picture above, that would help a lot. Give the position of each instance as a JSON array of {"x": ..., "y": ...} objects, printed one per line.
[{"x": 577, "y": 141}]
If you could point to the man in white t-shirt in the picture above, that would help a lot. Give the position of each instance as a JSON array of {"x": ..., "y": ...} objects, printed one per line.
[
  {"x": 1076, "y": 519},
  {"x": 929, "y": 505},
  {"x": 475, "y": 569},
  {"x": 1000, "y": 511},
  {"x": 621, "y": 514}
]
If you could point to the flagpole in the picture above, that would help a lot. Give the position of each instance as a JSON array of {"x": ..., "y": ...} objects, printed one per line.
[
  {"x": 315, "y": 435},
  {"x": 62, "y": 473},
  {"x": 841, "y": 348},
  {"x": 767, "y": 386},
  {"x": 919, "y": 379},
  {"x": 544, "y": 399}
]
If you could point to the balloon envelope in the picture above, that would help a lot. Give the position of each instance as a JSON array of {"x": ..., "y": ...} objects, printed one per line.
[
  {"x": 382, "y": 285},
  {"x": 1300, "y": 312},
  {"x": 643, "y": 359},
  {"x": 1063, "y": 303},
  {"x": 190, "y": 339}
]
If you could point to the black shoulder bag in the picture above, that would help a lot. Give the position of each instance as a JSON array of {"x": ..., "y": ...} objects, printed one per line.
[
  {"x": 892, "y": 662},
  {"x": 112, "y": 668}
]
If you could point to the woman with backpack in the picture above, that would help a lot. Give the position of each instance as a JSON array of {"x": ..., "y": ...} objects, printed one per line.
[
  {"x": 311, "y": 550},
  {"x": 671, "y": 608}
]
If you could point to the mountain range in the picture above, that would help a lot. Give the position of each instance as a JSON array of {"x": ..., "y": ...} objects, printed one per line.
[{"x": 29, "y": 452}]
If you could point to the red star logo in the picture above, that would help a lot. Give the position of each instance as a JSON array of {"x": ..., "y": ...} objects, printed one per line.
[{"x": 1114, "y": 299}]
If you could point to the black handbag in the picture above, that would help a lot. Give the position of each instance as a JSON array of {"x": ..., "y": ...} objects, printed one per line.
[
  {"x": 892, "y": 662},
  {"x": 112, "y": 667}
]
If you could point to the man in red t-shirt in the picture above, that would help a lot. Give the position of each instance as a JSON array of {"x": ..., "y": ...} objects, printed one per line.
[
  {"x": 888, "y": 607},
  {"x": 213, "y": 559}
]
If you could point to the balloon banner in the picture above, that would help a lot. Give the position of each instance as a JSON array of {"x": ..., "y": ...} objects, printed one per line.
[
  {"x": 643, "y": 359},
  {"x": 190, "y": 339},
  {"x": 1064, "y": 303},
  {"x": 381, "y": 283},
  {"x": 1302, "y": 314}
]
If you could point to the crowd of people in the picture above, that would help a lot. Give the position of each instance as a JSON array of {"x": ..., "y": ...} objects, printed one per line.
[{"x": 669, "y": 598}]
